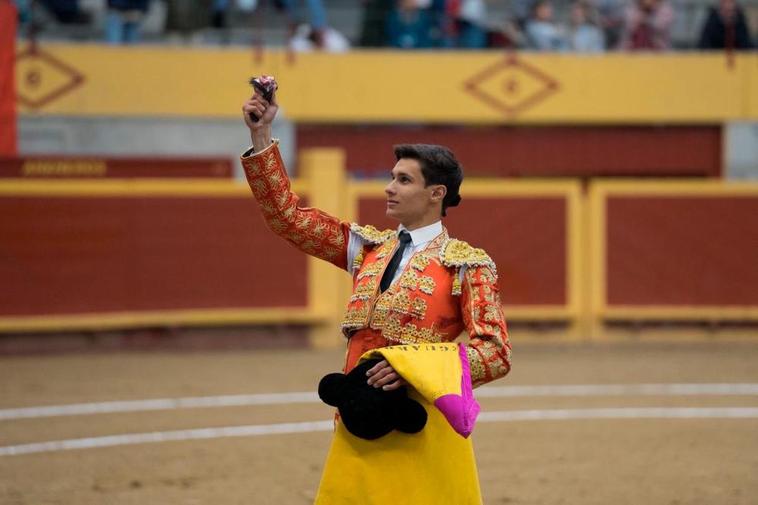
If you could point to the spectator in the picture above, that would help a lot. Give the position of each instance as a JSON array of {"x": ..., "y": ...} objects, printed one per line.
[
  {"x": 647, "y": 25},
  {"x": 584, "y": 36},
  {"x": 376, "y": 14},
  {"x": 317, "y": 12},
  {"x": 122, "y": 23},
  {"x": 329, "y": 39},
  {"x": 219, "y": 10},
  {"x": 725, "y": 27},
  {"x": 23, "y": 7},
  {"x": 184, "y": 18},
  {"x": 410, "y": 25},
  {"x": 541, "y": 33},
  {"x": 520, "y": 12},
  {"x": 470, "y": 17},
  {"x": 65, "y": 11},
  {"x": 611, "y": 18}
]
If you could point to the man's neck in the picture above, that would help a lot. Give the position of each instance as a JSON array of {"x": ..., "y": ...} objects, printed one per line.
[{"x": 415, "y": 225}]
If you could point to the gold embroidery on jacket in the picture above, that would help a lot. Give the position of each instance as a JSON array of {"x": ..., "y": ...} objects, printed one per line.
[
  {"x": 401, "y": 302},
  {"x": 476, "y": 364},
  {"x": 367, "y": 288},
  {"x": 338, "y": 239},
  {"x": 259, "y": 188},
  {"x": 457, "y": 288},
  {"x": 408, "y": 280},
  {"x": 381, "y": 309},
  {"x": 371, "y": 270},
  {"x": 311, "y": 230},
  {"x": 408, "y": 333},
  {"x": 420, "y": 262},
  {"x": 358, "y": 261},
  {"x": 276, "y": 225},
  {"x": 355, "y": 317},
  {"x": 418, "y": 308},
  {"x": 427, "y": 284},
  {"x": 456, "y": 253},
  {"x": 385, "y": 249},
  {"x": 371, "y": 234}
]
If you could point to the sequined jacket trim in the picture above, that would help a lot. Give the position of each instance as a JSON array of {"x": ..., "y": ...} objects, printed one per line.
[
  {"x": 429, "y": 304},
  {"x": 310, "y": 230}
]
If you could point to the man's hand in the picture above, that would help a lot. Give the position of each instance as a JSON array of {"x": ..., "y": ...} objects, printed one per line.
[
  {"x": 260, "y": 131},
  {"x": 382, "y": 375}
]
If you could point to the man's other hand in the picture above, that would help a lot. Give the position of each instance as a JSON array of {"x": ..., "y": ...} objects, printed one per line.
[{"x": 382, "y": 375}]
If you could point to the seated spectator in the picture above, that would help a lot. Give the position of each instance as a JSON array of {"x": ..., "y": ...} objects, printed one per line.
[
  {"x": 541, "y": 33},
  {"x": 725, "y": 27},
  {"x": 122, "y": 23},
  {"x": 611, "y": 20},
  {"x": 65, "y": 11},
  {"x": 520, "y": 12},
  {"x": 647, "y": 26},
  {"x": 374, "y": 24},
  {"x": 469, "y": 17},
  {"x": 220, "y": 8},
  {"x": 330, "y": 40},
  {"x": 24, "y": 9},
  {"x": 317, "y": 17},
  {"x": 584, "y": 35},
  {"x": 411, "y": 25}
]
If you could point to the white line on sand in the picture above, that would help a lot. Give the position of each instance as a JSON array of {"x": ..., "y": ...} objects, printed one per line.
[
  {"x": 318, "y": 426},
  {"x": 305, "y": 397},
  {"x": 79, "y": 409}
]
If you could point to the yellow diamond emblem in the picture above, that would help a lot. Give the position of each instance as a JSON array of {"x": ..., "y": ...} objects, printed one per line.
[
  {"x": 42, "y": 78},
  {"x": 511, "y": 86}
]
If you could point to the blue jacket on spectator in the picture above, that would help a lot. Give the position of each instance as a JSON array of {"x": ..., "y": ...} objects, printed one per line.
[{"x": 129, "y": 5}]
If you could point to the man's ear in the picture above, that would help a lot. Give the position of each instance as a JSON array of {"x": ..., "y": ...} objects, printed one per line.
[{"x": 438, "y": 192}]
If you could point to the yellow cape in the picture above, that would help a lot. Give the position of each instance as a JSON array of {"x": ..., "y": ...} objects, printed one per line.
[{"x": 432, "y": 467}]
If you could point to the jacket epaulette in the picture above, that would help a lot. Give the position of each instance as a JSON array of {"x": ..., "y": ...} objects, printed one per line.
[
  {"x": 457, "y": 253},
  {"x": 371, "y": 234}
]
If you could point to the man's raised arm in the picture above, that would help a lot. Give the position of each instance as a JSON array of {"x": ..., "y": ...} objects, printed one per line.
[{"x": 310, "y": 230}]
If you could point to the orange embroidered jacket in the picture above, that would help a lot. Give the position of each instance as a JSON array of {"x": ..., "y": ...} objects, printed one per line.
[{"x": 445, "y": 289}]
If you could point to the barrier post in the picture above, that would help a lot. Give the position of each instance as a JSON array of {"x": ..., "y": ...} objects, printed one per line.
[{"x": 324, "y": 171}]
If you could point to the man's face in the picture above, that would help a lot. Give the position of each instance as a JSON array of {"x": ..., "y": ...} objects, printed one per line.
[{"x": 408, "y": 199}]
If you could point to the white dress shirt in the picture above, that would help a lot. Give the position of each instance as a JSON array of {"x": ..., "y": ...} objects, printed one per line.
[{"x": 420, "y": 239}]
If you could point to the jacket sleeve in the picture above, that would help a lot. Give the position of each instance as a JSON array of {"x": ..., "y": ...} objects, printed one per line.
[
  {"x": 489, "y": 350},
  {"x": 311, "y": 230}
]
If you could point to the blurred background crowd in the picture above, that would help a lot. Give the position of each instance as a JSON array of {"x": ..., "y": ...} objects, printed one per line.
[{"x": 336, "y": 25}]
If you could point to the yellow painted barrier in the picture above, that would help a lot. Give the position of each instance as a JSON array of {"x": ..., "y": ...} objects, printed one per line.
[
  {"x": 391, "y": 86},
  {"x": 324, "y": 183},
  {"x": 324, "y": 169}
]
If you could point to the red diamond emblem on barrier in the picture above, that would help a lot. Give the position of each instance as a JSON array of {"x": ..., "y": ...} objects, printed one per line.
[
  {"x": 42, "y": 78},
  {"x": 511, "y": 86}
]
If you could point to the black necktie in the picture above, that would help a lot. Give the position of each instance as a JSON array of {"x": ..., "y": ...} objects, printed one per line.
[{"x": 389, "y": 273}]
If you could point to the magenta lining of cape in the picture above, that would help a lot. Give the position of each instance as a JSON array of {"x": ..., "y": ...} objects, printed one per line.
[{"x": 460, "y": 410}]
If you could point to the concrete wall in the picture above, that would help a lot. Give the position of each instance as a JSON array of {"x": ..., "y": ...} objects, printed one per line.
[
  {"x": 120, "y": 136},
  {"x": 741, "y": 151}
]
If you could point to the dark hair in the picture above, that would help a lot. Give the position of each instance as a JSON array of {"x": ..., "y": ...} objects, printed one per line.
[{"x": 438, "y": 166}]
